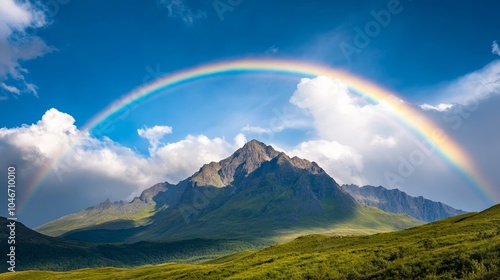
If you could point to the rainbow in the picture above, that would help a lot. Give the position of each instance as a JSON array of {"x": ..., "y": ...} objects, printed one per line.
[{"x": 401, "y": 110}]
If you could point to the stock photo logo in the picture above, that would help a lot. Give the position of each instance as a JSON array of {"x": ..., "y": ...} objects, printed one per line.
[{"x": 226, "y": 139}]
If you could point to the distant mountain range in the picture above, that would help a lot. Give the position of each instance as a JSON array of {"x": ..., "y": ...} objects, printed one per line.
[
  {"x": 396, "y": 201},
  {"x": 257, "y": 193}
]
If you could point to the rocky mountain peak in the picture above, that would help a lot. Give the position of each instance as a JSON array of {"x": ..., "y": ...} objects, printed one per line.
[
  {"x": 148, "y": 194},
  {"x": 104, "y": 205},
  {"x": 300, "y": 163},
  {"x": 242, "y": 162},
  {"x": 252, "y": 154}
]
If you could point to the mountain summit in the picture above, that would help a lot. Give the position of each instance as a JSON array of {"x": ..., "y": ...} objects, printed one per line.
[
  {"x": 241, "y": 163},
  {"x": 256, "y": 193}
]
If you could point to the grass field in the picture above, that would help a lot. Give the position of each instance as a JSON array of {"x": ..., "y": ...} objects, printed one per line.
[{"x": 462, "y": 247}]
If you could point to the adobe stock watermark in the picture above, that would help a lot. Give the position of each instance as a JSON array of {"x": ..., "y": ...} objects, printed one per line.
[
  {"x": 54, "y": 6},
  {"x": 407, "y": 165},
  {"x": 202, "y": 196},
  {"x": 222, "y": 7},
  {"x": 11, "y": 219},
  {"x": 364, "y": 35},
  {"x": 457, "y": 114},
  {"x": 153, "y": 74}
]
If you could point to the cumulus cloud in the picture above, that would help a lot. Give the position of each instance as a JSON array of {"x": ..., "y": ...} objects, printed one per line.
[
  {"x": 16, "y": 18},
  {"x": 181, "y": 159},
  {"x": 154, "y": 135},
  {"x": 342, "y": 116},
  {"x": 95, "y": 169},
  {"x": 359, "y": 142},
  {"x": 341, "y": 161},
  {"x": 181, "y": 9},
  {"x": 240, "y": 140},
  {"x": 494, "y": 48},
  {"x": 350, "y": 130}
]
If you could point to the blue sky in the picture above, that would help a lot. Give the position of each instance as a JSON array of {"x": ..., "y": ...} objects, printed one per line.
[{"x": 79, "y": 56}]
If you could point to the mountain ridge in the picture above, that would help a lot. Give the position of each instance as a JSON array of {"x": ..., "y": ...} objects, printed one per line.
[
  {"x": 397, "y": 201},
  {"x": 278, "y": 195}
]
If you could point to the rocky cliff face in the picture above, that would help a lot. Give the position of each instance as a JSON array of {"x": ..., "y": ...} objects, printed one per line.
[
  {"x": 243, "y": 162},
  {"x": 396, "y": 201}
]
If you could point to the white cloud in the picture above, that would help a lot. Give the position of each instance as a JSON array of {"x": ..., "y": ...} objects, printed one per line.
[
  {"x": 96, "y": 169},
  {"x": 180, "y": 9},
  {"x": 181, "y": 159},
  {"x": 16, "y": 17},
  {"x": 473, "y": 87},
  {"x": 256, "y": 129},
  {"x": 339, "y": 115},
  {"x": 154, "y": 135},
  {"x": 359, "y": 142},
  {"x": 49, "y": 136},
  {"x": 351, "y": 131},
  {"x": 440, "y": 108},
  {"x": 10, "y": 89},
  {"x": 277, "y": 124},
  {"x": 340, "y": 161},
  {"x": 494, "y": 48},
  {"x": 385, "y": 142},
  {"x": 240, "y": 140}
]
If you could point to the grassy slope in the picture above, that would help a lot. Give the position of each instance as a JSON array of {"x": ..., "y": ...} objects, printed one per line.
[
  {"x": 250, "y": 217},
  {"x": 462, "y": 247},
  {"x": 108, "y": 218},
  {"x": 37, "y": 251}
]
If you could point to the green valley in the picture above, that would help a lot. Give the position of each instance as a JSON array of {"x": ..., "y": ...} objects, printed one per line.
[{"x": 461, "y": 247}]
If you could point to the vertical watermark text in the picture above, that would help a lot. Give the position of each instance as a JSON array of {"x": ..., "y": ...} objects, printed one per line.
[{"x": 11, "y": 219}]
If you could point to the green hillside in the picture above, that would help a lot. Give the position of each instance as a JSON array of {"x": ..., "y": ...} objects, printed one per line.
[
  {"x": 107, "y": 215},
  {"x": 105, "y": 218},
  {"x": 461, "y": 247},
  {"x": 41, "y": 252}
]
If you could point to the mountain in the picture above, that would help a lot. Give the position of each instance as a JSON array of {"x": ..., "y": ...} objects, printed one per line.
[
  {"x": 461, "y": 247},
  {"x": 396, "y": 201},
  {"x": 257, "y": 193},
  {"x": 108, "y": 215},
  {"x": 37, "y": 251}
]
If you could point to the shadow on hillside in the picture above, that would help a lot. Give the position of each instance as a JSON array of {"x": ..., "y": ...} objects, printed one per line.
[{"x": 109, "y": 232}]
